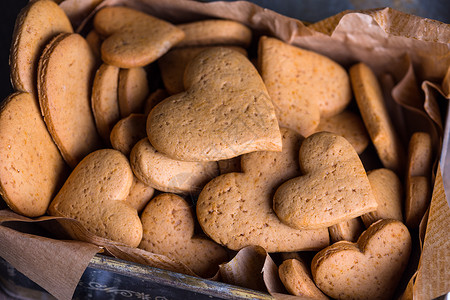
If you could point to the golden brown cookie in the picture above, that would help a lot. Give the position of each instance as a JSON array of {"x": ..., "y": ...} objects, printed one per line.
[
  {"x": 368, "y": 269},
  {"x": 224, "y": 112},
  {"x": 133, "y": 38},
  {"x": 31, "y": 167},
  {"x": 95, "y": 193},
  {"x": 235, "y": 209},
  {"x": 388, "y": 191},
  {"x": 350, "y": 126},
  {"x": 36, "y": 25},
  {"x": 168, "y": 224},
  {"x": 376, "y": 118},
  {"x": 133, "y": 91},
  {"x": 65, "y": 73},
  {"x": 168, "y": 175},
  {"x": 95, "y": 42},
  {"x": 139, "y": 195},
  {"x": 174, "y": 62},
  {"x": 104, "y": 101},
  {"x": 346, "y": 231},
  {"x": 127, "y": 132},
  {"x": 418, "y": 178},
  {"x": 215, "y": 32},
  {"x": 333, "y": 188},
  {"x": 303, "y": 85},
  {"x": 297, "y": 280}
]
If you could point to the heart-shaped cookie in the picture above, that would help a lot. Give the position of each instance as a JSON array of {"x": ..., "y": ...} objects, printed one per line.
[
  {"x": 350, "y": 126},
  {"x": 168, "y": 225},
  {"x": 140, "y": 194},
  {"x": 174, "y": 62},
  {"x": 127, "y": 132},
  {"x": 235, "y": 209},
  {"x": 134, "y": 38},
  {"x": 169, "y": 175},
  {"x": 224, "y": 112},
  {"x": 95, "y": 194},
  {"x": 368, "y": 269},
  {"x": 304, "y": 85},
  {"x": 333, "y": 189},
  {"x": 388, "y": 191}
]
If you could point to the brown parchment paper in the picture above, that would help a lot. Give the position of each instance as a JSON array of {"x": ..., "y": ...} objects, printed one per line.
[{"x": 409, "y": 54}]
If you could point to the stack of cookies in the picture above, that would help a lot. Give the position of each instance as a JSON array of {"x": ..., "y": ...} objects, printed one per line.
[{"x": 119, "y": 128}]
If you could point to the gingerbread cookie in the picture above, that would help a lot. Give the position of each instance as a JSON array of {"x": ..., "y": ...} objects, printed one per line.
[
  {"x": 139, "y": 195},
  {"x": 95, "y": 42},
  {"x": 297, "y": 280},
  {"x": 346, "y": 231},
  {"x": 31, "y": 167},
  {"x": 133, "y": 91},
  {"x": 168, "y": 224},
  {"x": 95, "y": 193},
  {"x": 303, "y": 85},
  {"x": 376, "y": 118},
  {"x": 418, "y": 178},
  {"x": 333, "y": 188},
  {"x": 215, "y": 32},
  {"x": 368, "y": 269},
  {"x": 104, "y": 101},
  {"x": 168, "y": 175},
  {"x": 133, "y": 38},
  {"x": 388, "y": 191},
  {"x": 224, "y": 112},
  {"x": 174, "y": 62},
  {"x": 65, "y": 74},
  {"x": 127, "y": 132},
  {"x": 350, "y": 126},
  {"x": 235, "y": 209},
  {"x": 36, "y": 25}
]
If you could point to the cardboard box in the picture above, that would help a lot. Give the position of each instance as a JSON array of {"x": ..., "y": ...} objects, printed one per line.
[{"x": 417, "y": 51}]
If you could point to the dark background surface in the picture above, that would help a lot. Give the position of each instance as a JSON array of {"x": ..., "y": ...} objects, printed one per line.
[{"x": 305, "y": 10}]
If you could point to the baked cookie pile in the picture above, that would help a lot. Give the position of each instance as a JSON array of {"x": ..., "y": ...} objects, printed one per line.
[{"x": 265, "y": 136}]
